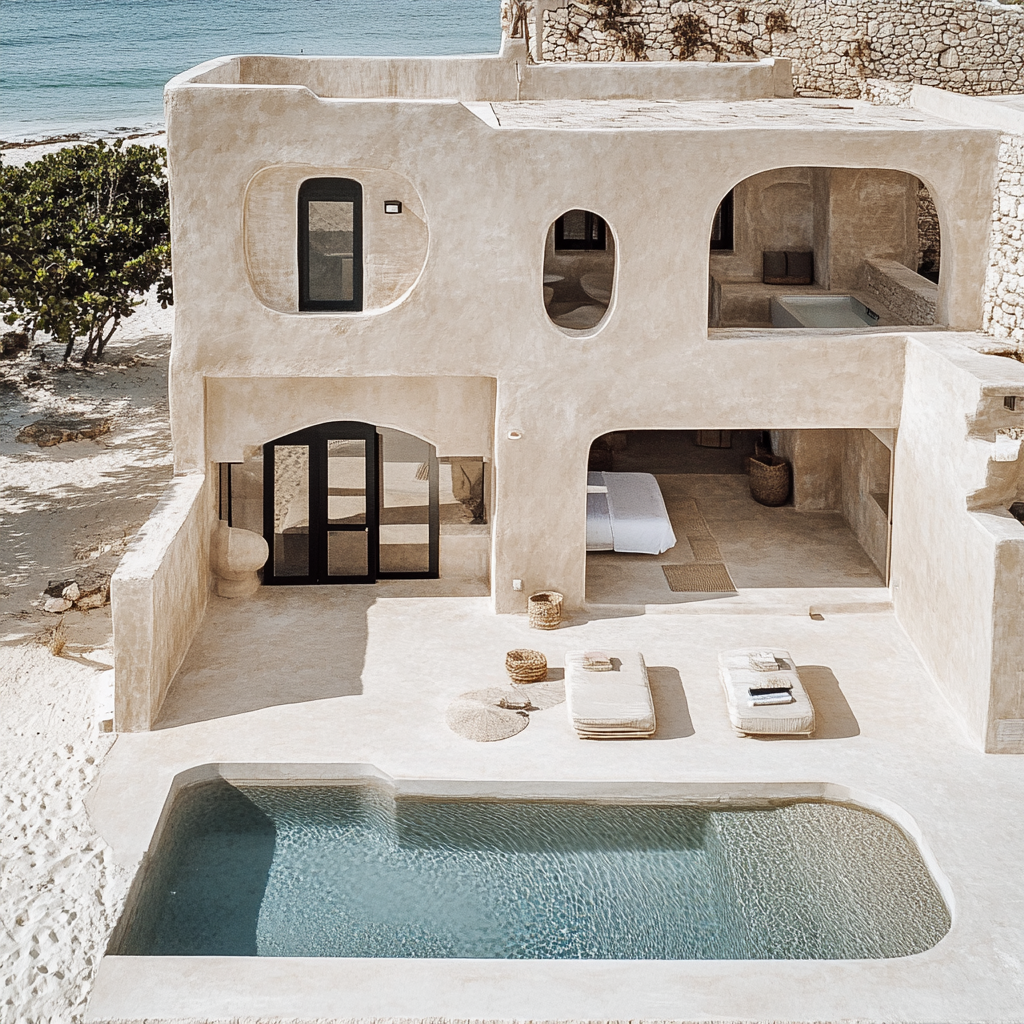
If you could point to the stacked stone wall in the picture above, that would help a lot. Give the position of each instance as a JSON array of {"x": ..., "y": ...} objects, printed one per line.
[
  {"x": 1004, "y": 282},
  {"x": 967, "y": 46}
]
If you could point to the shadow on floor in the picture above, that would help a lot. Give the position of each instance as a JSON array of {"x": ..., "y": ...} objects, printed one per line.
[
  {"x": 284, "y": 645},
  {"x": 671, "y": 710},
  {"x": 833, "y": 717}
]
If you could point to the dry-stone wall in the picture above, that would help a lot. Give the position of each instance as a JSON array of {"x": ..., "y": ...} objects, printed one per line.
[
  {"x": 967, "y": 46},
  {"x": 1004, "y": 283}
]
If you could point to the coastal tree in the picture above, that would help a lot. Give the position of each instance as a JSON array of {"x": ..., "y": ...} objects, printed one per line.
[{"x": 83, "y": 236}]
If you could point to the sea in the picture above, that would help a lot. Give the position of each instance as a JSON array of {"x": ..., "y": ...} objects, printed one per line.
[{"x": 98, "y": 67}]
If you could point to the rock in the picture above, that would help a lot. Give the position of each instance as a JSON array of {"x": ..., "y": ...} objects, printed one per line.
[
  {"x": 90, "y": 590},
  {"x": 32, "y": 377},
  {"x": 56, "y": 605},
  {"x": 58, "y": 429},
  {"x": 12, "y": 342},
  {"x": 56, "y": 588}
]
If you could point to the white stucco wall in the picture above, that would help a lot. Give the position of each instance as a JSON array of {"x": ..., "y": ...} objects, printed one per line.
[{"x": 158, "y": 596}]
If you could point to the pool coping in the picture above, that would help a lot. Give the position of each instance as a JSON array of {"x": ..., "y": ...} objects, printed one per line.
[{"x": 316, "y": 988}]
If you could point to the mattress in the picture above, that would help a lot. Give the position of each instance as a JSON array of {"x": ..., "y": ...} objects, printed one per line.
[
  {"x": 609, "y": 705},
  {"x": 737, "y": 677},
  {"x": 630, "y": 517}
]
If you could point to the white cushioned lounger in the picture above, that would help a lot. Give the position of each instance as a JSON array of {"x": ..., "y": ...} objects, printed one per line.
[
  {"x": 737, "y": 677},
  {"x": 609, "y": 705}
]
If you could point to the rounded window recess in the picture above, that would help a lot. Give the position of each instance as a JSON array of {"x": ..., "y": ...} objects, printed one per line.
[{"x": 579, "y": 271}]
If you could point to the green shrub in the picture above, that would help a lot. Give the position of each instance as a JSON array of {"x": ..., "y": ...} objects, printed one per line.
[{"x": 83, "y": 235}]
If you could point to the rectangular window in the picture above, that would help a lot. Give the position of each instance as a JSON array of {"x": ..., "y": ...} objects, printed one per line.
[
  {"x": 580, "y": 229},
  {"x": 721, "y": 226},
  {"x": 330, "y": 244}
]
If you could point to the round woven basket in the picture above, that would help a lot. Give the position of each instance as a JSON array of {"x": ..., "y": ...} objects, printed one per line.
[
  {"x": 545, "y": 610},
  {"x": 769, "y": 479},
  {"x": 525, "y": 666}
]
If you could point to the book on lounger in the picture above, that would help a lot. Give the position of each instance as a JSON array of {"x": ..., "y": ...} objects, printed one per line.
[
  {"x": 778, "y": 697},
  {"x": 766, "y": 691}
]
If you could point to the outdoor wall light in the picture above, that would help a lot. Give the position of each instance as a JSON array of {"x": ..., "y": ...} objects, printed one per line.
[
  {"x": 392, "y": 206},
  {"x": 514, "y": 435}
]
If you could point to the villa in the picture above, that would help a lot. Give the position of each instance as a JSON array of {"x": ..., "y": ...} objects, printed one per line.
[{"x": 429, "y": 313}]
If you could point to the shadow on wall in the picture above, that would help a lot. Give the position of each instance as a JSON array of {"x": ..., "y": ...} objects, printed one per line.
[
  {"x": 284, "y": 645},
  {"x": 834, "y": 718}
]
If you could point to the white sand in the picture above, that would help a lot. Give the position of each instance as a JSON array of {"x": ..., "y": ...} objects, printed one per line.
[
  {"x": 61, "y": 509},
  {"x": 24, "y": 154}
]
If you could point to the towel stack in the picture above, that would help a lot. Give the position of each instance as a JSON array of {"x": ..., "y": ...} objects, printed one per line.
[
  {"x": 763, "y": 661},
  {"x": 596, "y": 661},
  {"x": 777, "y": 690}
]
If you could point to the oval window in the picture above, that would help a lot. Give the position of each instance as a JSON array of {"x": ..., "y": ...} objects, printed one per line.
[{"x": 579, "y": 270}]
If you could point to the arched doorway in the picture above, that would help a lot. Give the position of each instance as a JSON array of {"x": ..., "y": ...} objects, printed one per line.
[{"x": 348, "y": 502}]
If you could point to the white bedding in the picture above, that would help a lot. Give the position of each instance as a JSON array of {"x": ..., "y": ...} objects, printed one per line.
[{"x": 631, "y": 517}]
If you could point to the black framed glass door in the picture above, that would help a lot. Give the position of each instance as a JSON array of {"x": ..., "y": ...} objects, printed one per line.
[{"x": 344, "y": 503}]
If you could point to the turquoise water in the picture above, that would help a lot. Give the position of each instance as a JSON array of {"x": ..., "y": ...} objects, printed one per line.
[
  {"x": 346, "y": 871},
  {"x": 101, "y": 65}
]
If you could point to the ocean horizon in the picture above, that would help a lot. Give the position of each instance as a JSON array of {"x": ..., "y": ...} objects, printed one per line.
[{"x": 98, "y": 67}]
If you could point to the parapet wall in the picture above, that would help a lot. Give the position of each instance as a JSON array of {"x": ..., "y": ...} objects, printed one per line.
[{"x": 963, "y": 45}]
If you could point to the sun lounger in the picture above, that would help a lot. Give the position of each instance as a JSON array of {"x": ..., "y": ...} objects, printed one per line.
[
  {"x": 779, "y": 706},
  {"x": 609, "y": 705}
]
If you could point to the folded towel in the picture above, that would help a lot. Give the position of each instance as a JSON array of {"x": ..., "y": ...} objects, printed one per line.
[
  {"x": 782, "y": 697},
  {"x": 763, "y": 661},
  {"x": 783, "y": 686},
  {"x": 596, "y": 661},
  {"x": 597, "y": 489}
]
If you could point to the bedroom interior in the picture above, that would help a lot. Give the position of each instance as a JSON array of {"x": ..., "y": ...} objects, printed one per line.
[{"x": 710, "y": 539}]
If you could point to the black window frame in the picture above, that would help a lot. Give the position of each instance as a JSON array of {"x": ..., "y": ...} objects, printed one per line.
[
  {"x": 337, "y": 190},
  {"x": 588, "y": 243},
  {"x": 725, "y": 208}
]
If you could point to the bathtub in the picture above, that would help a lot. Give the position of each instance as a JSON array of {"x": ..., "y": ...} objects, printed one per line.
[{"x": 821, "y": 311}]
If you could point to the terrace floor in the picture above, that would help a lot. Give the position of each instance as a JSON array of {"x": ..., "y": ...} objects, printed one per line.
[{"x": 362, "y": 675}]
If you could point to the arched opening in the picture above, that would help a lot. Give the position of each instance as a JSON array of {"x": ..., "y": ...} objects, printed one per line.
[
  {"x": 579, "y": 270},
  {"x": 677, "y": 516},
  {"x": 825, "y": 247}
]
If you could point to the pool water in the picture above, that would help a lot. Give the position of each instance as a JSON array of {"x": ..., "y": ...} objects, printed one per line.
[{"x": 350, "y": 871}]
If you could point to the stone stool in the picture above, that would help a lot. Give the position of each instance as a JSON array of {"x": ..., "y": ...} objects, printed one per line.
[{"x": 235, "y": 557}]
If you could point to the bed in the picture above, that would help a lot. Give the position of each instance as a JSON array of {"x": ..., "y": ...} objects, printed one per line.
[{"x": 626, "y": 512}]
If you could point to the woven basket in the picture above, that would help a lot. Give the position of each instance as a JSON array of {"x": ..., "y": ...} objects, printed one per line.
[
  {"x": 525, "y": 666},
  {"x": 769, "y": 479},
  {"x": 545, "y": 610}
]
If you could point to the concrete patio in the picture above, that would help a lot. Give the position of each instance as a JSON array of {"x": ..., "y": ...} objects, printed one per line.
[{"x": 362, "y": 676}]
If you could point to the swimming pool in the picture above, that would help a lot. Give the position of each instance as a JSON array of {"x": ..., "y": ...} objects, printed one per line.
[
  {"x": 352, "y": 871},
  {"x": 821, "y": 311}
]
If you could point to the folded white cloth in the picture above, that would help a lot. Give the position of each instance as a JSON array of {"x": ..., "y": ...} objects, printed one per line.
[
  {"x": 763, "y": 661},
  {"x": 596, "y": 661},
  {"x": 596, "y": 489}
]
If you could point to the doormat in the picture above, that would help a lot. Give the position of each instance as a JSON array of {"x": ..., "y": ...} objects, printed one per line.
[
  {"x": 704, "y": 578},
  {"x": 705, "y": 549}
]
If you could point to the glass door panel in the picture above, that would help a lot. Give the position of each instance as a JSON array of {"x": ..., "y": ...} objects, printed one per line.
[
  {"x": 291, "y": 510},
  {"x": 347, "y": 553},
  {"x": 346, "y": 482},
  {"x": 331, "y": 251},
  {"x": 408, "y": 466}
]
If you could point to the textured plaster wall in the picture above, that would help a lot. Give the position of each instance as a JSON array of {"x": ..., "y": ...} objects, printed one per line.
[
  {"x": 963, "y": 45},
  {"x": 158, "y": 596},
  {"x": 1003, "y": 294},
  {"x": 489, "y": 197},
  {"x": 394, "y": 247},
  {"x": 865, "y": 474},
  {"x": 957, "y": 555}
]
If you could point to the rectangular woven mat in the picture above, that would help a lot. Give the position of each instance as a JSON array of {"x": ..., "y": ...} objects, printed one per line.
[
  {"x": 700, "y": 578},
  {"x": 705, "y": 549}
]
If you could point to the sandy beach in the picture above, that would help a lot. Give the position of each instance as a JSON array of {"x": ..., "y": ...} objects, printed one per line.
[{"x": 66, "y": 509}]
